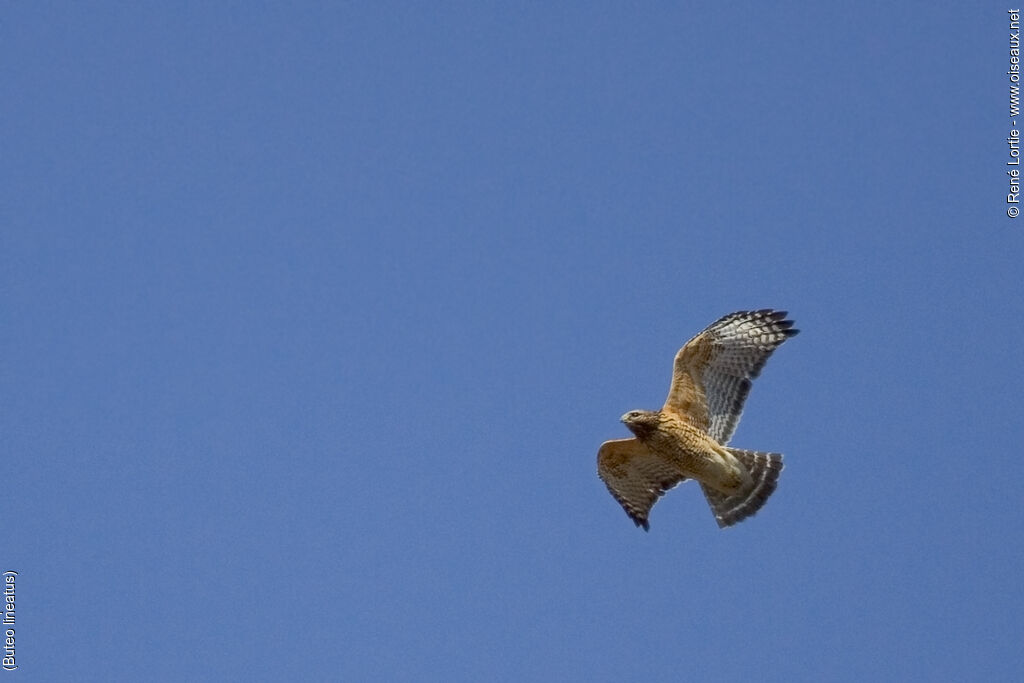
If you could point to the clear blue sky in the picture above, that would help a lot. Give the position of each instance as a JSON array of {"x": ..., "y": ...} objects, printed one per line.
[{"x": 315, "y": 315}]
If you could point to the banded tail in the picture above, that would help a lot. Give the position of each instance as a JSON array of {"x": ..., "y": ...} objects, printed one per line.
[{"x": 764, "y": 469}]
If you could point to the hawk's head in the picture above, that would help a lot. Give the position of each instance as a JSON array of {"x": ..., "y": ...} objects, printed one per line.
[{"x": 642, "y": 422}]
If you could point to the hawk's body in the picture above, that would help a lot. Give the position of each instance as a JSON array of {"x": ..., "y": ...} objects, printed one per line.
[{"x": 686, "y": 438}]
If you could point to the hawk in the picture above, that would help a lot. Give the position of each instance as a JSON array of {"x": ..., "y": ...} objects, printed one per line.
[{"x": 687, "y": 438}]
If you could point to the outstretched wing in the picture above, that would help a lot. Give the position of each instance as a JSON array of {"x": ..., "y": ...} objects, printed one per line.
[
  {"x": 636, "y": 476},
  {"x": 713, "y": 371}
]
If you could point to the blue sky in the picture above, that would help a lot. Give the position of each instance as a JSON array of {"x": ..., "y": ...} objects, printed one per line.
[{"x": 315, "y": 315}]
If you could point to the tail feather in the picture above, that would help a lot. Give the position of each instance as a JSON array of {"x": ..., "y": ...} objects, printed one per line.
[{"x": 764, "y": 469}]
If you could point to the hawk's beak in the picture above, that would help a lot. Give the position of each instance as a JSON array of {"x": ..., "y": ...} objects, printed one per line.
[{"x": 623, "y": 418}]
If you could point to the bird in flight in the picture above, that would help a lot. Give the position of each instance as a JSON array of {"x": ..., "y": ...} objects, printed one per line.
[{"x": 687, "y": 438}]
